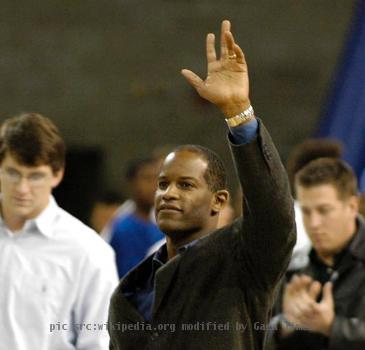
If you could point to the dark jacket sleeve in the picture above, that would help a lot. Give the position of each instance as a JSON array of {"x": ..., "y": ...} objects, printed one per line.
[
  {"x": 347, "y": 333},
  {"x": 267, "y": 233}
]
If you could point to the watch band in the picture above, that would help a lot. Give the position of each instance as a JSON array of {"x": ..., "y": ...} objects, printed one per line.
[{"x": 240, "y": 118}]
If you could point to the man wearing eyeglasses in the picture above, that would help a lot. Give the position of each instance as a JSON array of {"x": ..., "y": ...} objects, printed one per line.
[{"x": 56, "y": 274}]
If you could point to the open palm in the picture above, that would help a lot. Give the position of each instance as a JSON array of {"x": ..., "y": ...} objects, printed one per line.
[{"x": 226, "y": 84}]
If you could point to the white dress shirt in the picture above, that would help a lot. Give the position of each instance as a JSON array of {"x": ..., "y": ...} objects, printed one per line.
[
  {"x": 56, "y": 279},
  {"x": 300, "y": 257}
]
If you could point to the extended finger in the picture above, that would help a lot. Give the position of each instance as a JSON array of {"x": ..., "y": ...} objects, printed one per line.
[
  {"x": 288, "y": 289},
  {"x": 304, "y": 282},
  {"x": 327, "y": 294},
  {"x": 294, "y": 280},
  {"x": 314, "y": 290},
  {"x": 211, "y": 54},
  {"x": 192, "y": 78},
  {"x": 239, "y": 53},
  {"x": 226, "y": 27},
  {"x": 230, "y": 44},
  {"x": 298, "y": 283},
  {"x": 292, "y": 286}
]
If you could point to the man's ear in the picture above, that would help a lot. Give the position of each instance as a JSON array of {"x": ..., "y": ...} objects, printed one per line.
[
  {"x": 354, "y": 203},
  {"x": 220, "y": 198},
  {"x": 57, "y": 178}
]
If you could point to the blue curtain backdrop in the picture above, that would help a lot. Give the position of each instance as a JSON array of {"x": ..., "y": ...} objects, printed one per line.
[{"x": 344, "y": 117}]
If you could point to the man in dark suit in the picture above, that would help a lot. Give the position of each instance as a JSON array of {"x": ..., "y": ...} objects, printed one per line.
[{"x": 207, "y": 288}]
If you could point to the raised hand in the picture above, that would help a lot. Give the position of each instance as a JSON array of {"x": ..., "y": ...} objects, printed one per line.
[{"x": 226, "y": 84}]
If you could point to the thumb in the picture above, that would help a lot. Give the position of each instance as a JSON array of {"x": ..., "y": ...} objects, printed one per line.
[
  {"x": 192, "y": 78},
  {"x": 327, "y": 297}
]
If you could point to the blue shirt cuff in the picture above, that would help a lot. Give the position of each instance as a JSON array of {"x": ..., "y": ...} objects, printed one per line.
[{"x": 245, "y": 133}]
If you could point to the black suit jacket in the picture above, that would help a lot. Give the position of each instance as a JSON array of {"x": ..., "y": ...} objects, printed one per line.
[{"x": 218, "y": 293}]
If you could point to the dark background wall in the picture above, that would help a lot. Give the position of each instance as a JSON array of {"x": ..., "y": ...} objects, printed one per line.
[{"x": 107, "y": 72}]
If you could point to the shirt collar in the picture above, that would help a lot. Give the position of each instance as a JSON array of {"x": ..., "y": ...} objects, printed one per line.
[
  {"x": 44, "y": 221},
  {"x": 187, "y": 246},
  {"x": 160, "y": 257}
]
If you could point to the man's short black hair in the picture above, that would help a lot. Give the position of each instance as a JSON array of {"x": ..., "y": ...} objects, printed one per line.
[
  {"x": 110, "y": 197},
  {"x": 215, "y": 174},
  {"x": 134, "y": 166}
]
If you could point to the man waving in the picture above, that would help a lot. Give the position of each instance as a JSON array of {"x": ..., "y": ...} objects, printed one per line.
[{"x": 208, "y": 288}]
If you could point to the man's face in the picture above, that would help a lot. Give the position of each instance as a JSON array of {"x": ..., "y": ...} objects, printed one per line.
[
  {"x": 183, "y": 200},
  {"x": 25, "y": 190},
  {"x": 144, "y": 185},
  {"x": 330, "y": 221}
]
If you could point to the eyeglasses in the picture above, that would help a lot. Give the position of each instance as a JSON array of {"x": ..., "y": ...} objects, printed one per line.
[{"x": 13, "y": 176}]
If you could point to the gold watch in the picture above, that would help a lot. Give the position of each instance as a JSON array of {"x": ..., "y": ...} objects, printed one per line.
[{"x": 241, "y": 118}]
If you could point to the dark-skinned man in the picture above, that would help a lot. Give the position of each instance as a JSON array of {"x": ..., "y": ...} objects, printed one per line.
[{"x": 208, "y": 288}]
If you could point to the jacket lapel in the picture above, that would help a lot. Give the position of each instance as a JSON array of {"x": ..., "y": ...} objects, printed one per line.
[
  {"x": 133, "y": 281},
  {"x": 163, "y": 279}
]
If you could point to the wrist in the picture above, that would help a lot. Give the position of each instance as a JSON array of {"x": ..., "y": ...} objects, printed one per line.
[
  {"x": 232, "y": 109},
  {"x": 286, "y": 327},
  {"x": 242, "y": 118},
  {"x": 327, "y": 329}
]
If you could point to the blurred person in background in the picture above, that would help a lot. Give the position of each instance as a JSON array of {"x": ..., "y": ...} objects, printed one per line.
[
  {"x": 301, "y": 155},
  {"x": 129, "y": 206},
  {"x": 104, "y": 210},
  {"x": 362, "y": 182},
  {"x": 134, "y": 233},
  {"x": 323, "y": 307},
  {"x": 56, "y": 273}
]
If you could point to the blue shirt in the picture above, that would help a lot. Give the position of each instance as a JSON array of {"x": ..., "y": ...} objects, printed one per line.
[
  {"x": 131, "y": 239},
  {"x": 143, "y": 298}
]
